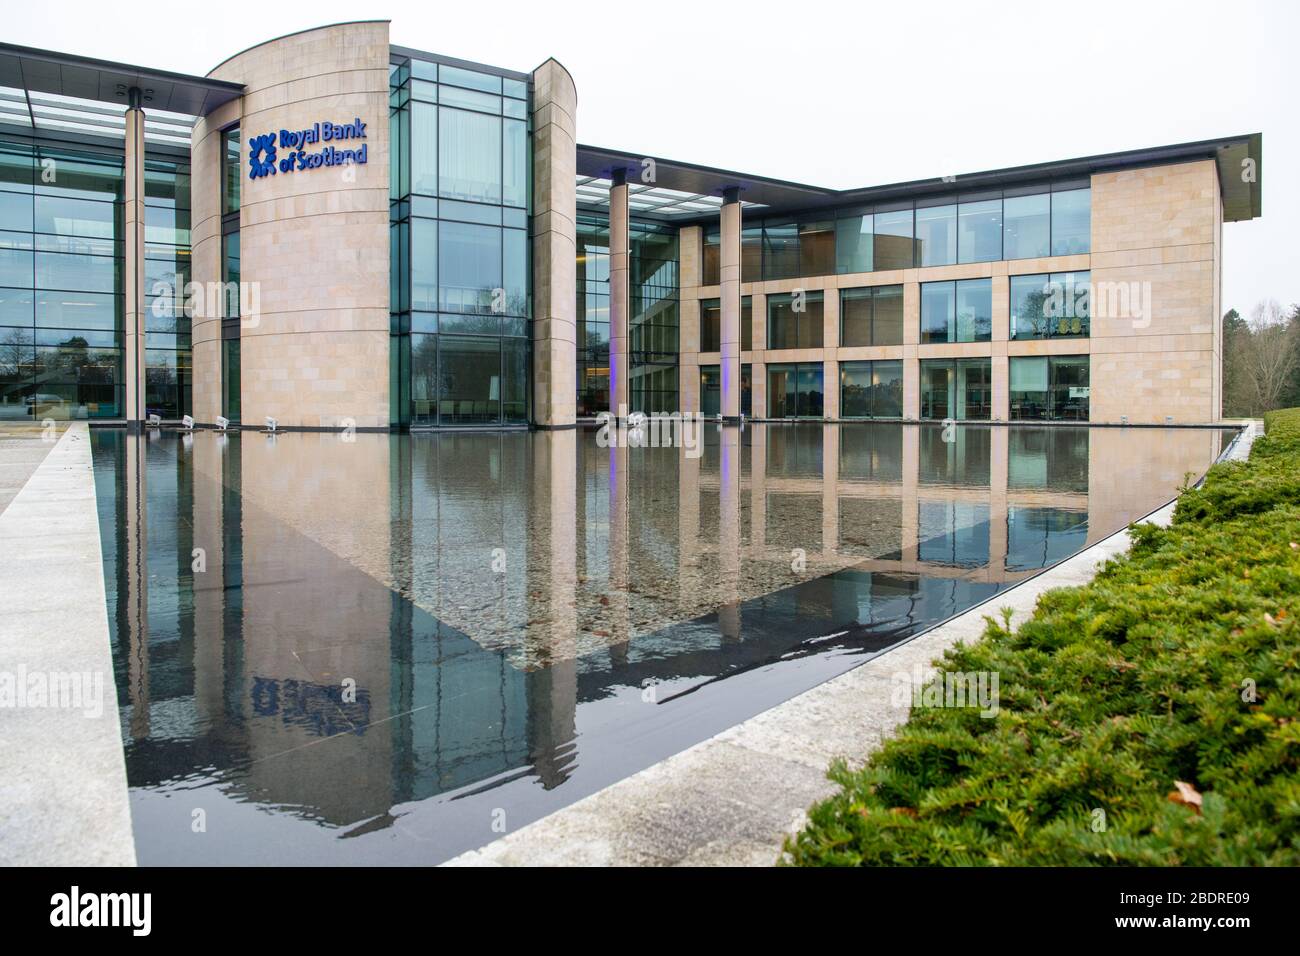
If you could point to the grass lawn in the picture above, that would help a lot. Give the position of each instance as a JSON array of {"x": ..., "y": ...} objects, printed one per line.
[{"x": 1149, "y": 717}]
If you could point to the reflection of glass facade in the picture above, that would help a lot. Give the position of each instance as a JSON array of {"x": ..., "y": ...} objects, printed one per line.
[
  {"x": 461, "y": 292},
  {"x": 61, "y": 291}
]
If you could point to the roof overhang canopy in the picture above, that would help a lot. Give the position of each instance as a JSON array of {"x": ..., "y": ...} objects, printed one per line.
[
  {"x": 83, "y": 78},
  {"x": 1240, "y": 181}
]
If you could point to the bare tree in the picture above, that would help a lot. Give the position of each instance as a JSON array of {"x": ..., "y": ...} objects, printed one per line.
[{"x": 1263, "y": 359}]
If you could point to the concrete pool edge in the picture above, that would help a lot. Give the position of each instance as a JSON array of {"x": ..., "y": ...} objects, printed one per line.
[
  {"x": 63, "y": 794},
  {"x": 731, "y": 800}
]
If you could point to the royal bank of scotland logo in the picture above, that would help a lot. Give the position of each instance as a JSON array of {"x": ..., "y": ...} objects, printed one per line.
[{"x": 261, "y": 156}]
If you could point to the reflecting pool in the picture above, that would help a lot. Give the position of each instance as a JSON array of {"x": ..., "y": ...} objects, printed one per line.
[{"x": 385, "y": 649}]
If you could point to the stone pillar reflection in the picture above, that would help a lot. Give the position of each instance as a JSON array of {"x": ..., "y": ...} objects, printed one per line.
[
  {"x": 910, "y": 491},
  {"x": 553, "y": 692},
  {"x": 830, "y": 489},
  {"x": 729, "y": 533},
  {"x": 205, "y": 454},
  {"x": 999, "y": 462},
  {"x": 133, "y": 593},
  {"x": 619, "y": 543}
]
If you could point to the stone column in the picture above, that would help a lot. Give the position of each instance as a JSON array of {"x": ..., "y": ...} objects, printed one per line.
[
  {"x": 555, "y": 162},
  {"x": 730, "y": 296},
  {"x": 133, "y": 265},
  {"x": 1001, "y": 335},
  {"x": 619, "y": 304},
  {"x": 911, "y": 350}
]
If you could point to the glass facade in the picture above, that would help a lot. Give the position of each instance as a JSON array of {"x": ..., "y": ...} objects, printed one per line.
[
  {"x": 461, "y": 292},
  {"x": 871, "y": 389},
  {"x": 1051, "y": 305},
  {"x": 1050, "y": 388},
  {"x": 960, "y": 389},
  {"x": 168, "y": 365},
  {"x": 1016, "y": 223},
  {"x": 653, "y": 322},
  {"x": 795, "y": 390},
  {"x": 593, "y": 315},
  {"x": 61, "y": 283}
]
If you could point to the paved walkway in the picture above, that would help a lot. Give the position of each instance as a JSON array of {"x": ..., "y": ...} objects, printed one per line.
[
  {"x": 63, "y": 796},
  {"x": 23, "y": 446},
  {"x": 731, "y": 800}
]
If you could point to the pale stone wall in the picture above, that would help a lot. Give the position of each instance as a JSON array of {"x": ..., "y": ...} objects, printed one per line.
[
  {"x": 315, "y": 241},
  {"x": 1160, "y": 225}
]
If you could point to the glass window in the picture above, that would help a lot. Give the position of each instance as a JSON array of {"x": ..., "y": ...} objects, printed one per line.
[
  {"x": 710, "y": 325},
  {"x": 1026, "y": 230},
  {"x": 974, "y": 310},
  {"x": 16, "y": 211},
  {"x": 781, "y": 251},
  {"x": 794, "y": 391},
  {"x": 979, "y": 231},
  {"x": 1050, "y": 305},
  {"x": 469, "y": 380},
  {"x": 960, "y": 389},
  {"x": 1050, "y": 388},
  {"x": 470, "y": 79},
  {"x": 936, "y": 235},
  {"x": 816, "y": 248},
  {"x": 871, "y": 389},
  {"x": 855, "y": 317},
  {"x": 746, "y": 323},
  {"x": 938, "y": 309},
  {"x": 76, "y": 217},
  {"x": 711, "y": 272},
  {"x": 853, "y": 244},
  {"x": 1071, "y": 222},
  {"x": 469, "y": 156},
  {"x": 231, "y": 169},
  {"x": 515, "y": 160},
  {"x": 871, "y": 316},
  {"x": 794, "y": 321},
  {"x": 424, "y": 264},
  {"x": 751, "y": 253},
  {"x": 893, "y": 245},
  {"x": 514, "y": 244},
  {"x": 469, "y": 266},
  {"x": 424, "y": 149}
]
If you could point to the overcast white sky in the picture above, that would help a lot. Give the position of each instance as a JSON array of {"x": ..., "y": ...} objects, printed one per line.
[{"x": 835, "y": 94}]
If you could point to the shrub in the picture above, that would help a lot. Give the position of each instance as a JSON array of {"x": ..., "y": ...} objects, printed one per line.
[{"x": 1116, "y": 696}]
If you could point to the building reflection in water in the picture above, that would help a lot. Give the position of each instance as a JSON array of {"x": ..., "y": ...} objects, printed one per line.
[{"x": 333, "y": 632}]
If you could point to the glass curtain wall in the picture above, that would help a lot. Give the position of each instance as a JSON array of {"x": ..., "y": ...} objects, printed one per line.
[
  {"x": 593, "y": 315},
  {"x": 871, "y": 316},
  {"x": 957, "y": 311},
  {"x": 461, "y": 297},
  {"x": 168, "y": 365},
  {"x": 653, "y": 289},
  {"x": 61, "y": 288},
  {"x": 711, "y": 324},
  {"x": 1026, "y": 222},
  {"x": 231, "y": 357}
]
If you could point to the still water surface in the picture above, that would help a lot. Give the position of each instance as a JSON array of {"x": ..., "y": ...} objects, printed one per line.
[{"x": 372, "y": 651}]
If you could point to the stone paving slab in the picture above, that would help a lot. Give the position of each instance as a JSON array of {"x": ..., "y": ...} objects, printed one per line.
[
  {"x": 63, "y": 794},
  {"x": 732, "y": 800}
]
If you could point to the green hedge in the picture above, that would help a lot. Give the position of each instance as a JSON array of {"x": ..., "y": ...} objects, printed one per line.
[{"x": 1111, "y": 694}]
